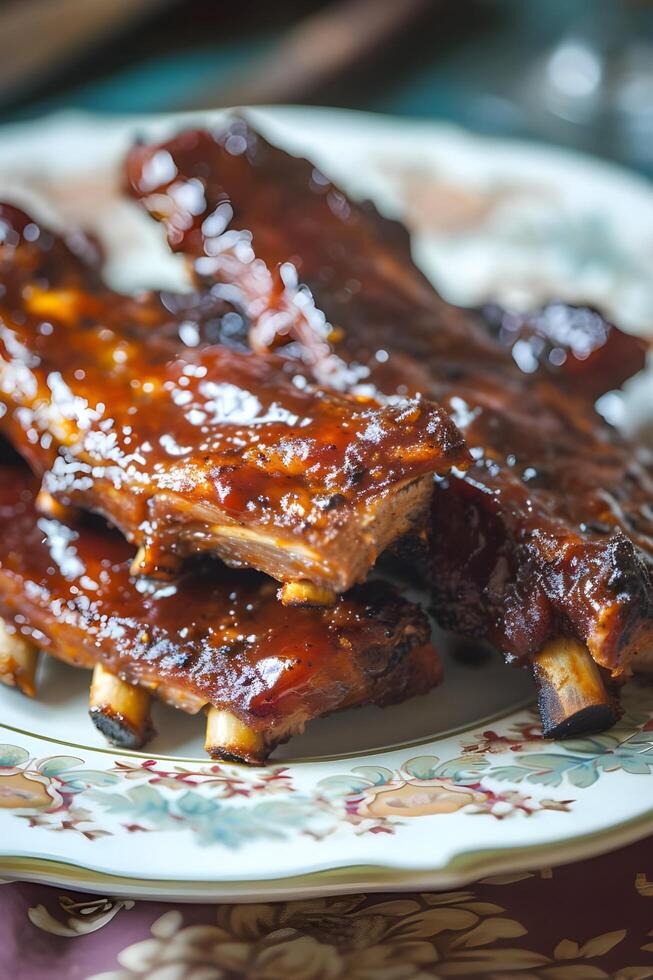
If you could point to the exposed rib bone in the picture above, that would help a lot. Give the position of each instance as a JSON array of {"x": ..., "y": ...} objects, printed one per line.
[
  {"x": 572, "y": 697},
  {"x": 119, "y": 710},
  {"x": 227, "y": 737},
  {"x": 18, "y": 659},
  {"x": 304, "y": 593},
  {"x": 49, "y": 507},
  {"x": 152, "y": 563}
]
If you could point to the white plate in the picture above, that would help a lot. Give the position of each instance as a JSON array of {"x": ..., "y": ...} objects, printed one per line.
[{"x": 436, "y": 792}]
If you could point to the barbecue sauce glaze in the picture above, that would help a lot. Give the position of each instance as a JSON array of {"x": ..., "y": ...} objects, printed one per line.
[
  {"x": 124, "y": 408},
  {"x": 214, "y": 636},
  {"x": 551, "y": 529}
]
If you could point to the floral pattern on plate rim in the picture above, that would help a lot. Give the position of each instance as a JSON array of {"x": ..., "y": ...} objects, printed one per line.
[{"x": 496, "y": 774}]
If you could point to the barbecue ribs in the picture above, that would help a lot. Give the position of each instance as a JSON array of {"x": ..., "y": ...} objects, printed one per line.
[
  {"x": 216, "y": 637},
  {"x": 549, "y": 534},
  {"x": 201, "y": 447}
]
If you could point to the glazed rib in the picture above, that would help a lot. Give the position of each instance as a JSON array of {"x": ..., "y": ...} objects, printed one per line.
[
  {"x": 216, "y": 637},
  {"x": 550, "y": 532},
  {"x": 200, "y": 448},
  {"x": 586, "y": 353}
]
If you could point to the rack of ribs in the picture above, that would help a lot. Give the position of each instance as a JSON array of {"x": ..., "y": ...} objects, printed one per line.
[
  {"x": 201, "y": 447},
  {"x": 545, "y": 544},
  {"x": 215, "y": 639}
]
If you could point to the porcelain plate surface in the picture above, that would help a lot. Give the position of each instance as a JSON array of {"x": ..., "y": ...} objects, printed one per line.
[{"x": 451, "y": 786}]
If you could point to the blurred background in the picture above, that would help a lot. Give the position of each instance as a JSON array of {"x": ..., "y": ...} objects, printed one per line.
[{"x": 573, "y": 72}]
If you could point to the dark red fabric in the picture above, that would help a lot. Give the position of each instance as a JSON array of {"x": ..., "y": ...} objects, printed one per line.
[{"x": 587, "y": 920}]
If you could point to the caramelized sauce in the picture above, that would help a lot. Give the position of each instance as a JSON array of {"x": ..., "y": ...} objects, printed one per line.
[
  {"x": 218, "y": 636},
  {"x": 551, "y": 528},
  {"x": 202, "y": 447}
]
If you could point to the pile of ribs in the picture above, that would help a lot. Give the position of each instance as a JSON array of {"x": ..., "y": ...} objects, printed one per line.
[{"x": 195, "y": 487}]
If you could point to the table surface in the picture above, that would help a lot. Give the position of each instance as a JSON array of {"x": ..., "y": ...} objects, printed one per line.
[{"x": 587, "y": 920}]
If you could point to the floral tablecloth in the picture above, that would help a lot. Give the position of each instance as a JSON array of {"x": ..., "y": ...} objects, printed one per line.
[{"x": 587, "y": 920}]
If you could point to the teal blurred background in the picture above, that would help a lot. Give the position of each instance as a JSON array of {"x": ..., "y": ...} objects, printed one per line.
[{"x": 574, "y": 72}]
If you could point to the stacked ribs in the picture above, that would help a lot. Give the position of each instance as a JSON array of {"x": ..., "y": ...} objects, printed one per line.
[
  {"x": 311, "y": 405},
  {"x": 195, "y": 450},
  {"x": 213, "y": 639},
  {"x": 548, "y": 536}
]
